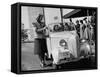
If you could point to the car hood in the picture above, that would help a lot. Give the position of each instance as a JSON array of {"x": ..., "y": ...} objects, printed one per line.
[{"x": 65, "y": 34}]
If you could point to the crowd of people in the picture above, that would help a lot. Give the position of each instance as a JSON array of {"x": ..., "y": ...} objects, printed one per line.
[{"x": 84, "y": 28}]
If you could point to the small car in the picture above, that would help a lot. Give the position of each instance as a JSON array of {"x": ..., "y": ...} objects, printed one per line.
[{"x": 65, "y": 46}]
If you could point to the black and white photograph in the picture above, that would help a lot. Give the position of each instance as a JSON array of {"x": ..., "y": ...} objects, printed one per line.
[{"x": 58, "y": 38}]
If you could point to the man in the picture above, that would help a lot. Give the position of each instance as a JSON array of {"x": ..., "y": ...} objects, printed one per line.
[
  {"x": 72, "y": 25},
  {"x": 78, "y": 28}
]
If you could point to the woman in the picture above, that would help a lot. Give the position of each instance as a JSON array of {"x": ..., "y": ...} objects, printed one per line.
[
  {"x": 82, "y": 28},
  {"x": 86, "y": 30},
  {"x": 40, "y": 40}
]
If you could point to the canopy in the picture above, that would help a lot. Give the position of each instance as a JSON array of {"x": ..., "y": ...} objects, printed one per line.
[{"x": 78, "y": 13}]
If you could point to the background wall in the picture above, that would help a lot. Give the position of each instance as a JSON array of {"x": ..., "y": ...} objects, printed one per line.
[
  {"x": 5, "y": 39},
  {"x": 52, "y": 15},
  {"x": 25, "y": 17}
]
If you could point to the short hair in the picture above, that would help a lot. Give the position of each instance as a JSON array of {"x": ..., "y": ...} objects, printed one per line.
[
  {"x": 81, "y": 21},
  {"x": 66, "y": 23},
  {"x": 77, "y": 21},
  {"x": 70, "y": 19}
]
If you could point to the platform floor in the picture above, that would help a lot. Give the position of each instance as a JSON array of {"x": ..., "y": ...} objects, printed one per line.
[{"x": 29, "y": 61}]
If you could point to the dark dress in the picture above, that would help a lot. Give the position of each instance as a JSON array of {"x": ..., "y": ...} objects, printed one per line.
[
  {"x": 40, "y": 47},
  {"x": 78, "y": 29}
]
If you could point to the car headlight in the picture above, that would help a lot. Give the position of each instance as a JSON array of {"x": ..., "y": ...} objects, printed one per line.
[{"x": 85, "y": 48}]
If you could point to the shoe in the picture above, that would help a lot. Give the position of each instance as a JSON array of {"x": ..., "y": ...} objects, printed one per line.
[{"x": 42, "y": 65}]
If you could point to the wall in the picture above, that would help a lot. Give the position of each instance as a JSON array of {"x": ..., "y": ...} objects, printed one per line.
[
  {"x": 52, "y": 15},
  {"x": 25, "y": 17}
]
